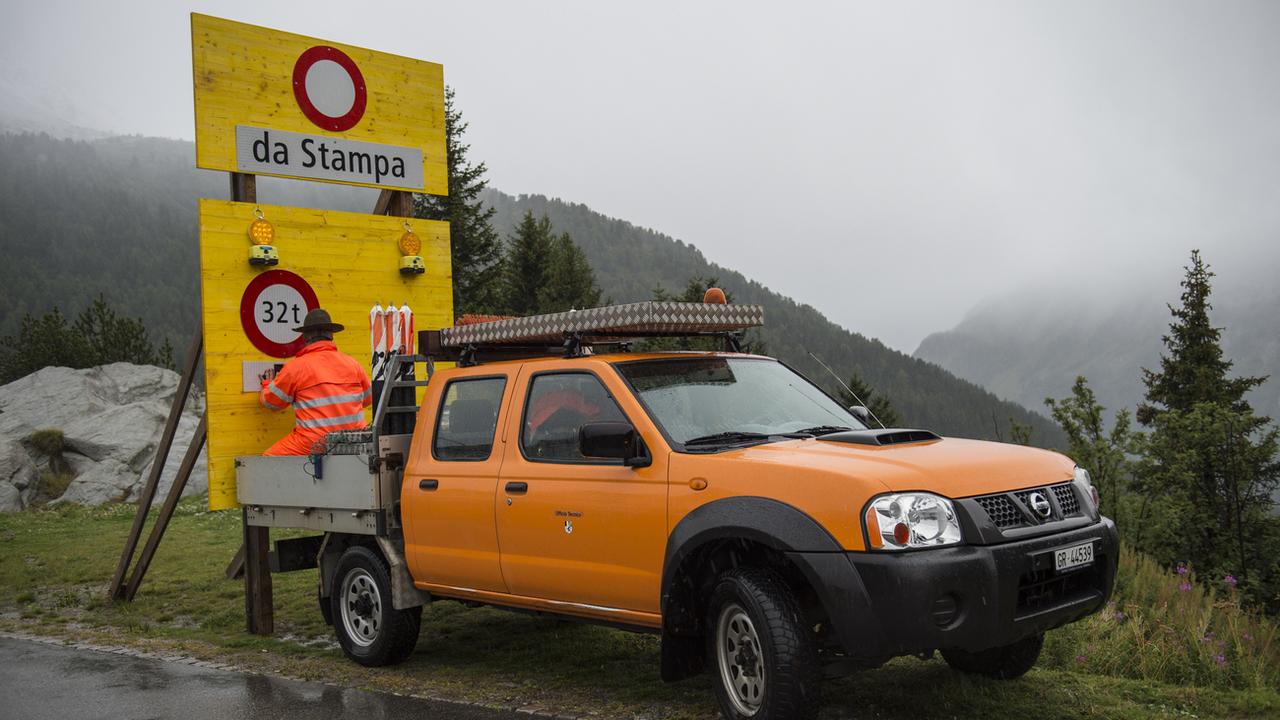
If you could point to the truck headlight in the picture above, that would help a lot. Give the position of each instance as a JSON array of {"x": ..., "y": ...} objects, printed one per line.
[
  {"x": 1082, "y": 477},
  {"x": 901, "y": 521}
]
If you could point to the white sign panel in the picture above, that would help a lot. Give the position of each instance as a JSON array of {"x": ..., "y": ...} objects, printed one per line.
[{"x": 317, "y": 157}]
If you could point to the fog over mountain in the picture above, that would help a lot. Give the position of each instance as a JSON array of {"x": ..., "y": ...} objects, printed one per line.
[
  {"x": 893, "y": 163},
  {"x": 1030, "y": 344}
]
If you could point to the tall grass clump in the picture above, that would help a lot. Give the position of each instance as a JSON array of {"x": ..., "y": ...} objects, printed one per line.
[{"x": 1169, "y": 626}]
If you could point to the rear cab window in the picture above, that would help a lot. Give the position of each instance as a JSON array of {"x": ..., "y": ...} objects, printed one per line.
[{"x": 468, "y": 419}]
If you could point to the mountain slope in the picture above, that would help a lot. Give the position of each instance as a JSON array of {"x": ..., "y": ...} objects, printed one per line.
[
  {"x": 117, "y": 216},
  {"x": 1046, "y": 337}
]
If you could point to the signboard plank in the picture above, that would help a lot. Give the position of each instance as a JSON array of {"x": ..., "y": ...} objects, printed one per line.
[
  {"x": 245, "y": 76},
  {"x": 351, "y": 262}
]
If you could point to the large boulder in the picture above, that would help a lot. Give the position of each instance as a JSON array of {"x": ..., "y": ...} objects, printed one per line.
[{"x": 111, "y": 418}]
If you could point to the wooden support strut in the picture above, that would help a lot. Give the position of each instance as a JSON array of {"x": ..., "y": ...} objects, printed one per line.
[
  {"x": 116, "y": 590},
  {"x": 166, "y": 512}
]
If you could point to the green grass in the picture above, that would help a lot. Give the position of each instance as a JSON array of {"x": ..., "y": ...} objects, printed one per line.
[{"x": 55, "y": 565}]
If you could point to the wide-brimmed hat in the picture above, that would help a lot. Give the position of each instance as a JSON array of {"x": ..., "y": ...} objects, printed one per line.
[{"x": 319, "y": 319}]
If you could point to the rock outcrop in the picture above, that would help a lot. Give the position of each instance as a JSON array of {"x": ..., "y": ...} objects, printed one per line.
[{"x": 110, "y": 418}]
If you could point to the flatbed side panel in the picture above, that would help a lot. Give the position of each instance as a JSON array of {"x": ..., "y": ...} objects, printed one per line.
[{"x": 344, "y": 482}]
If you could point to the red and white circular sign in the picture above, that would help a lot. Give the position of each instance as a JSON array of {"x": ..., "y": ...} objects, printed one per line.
[
  {"x": 329, "y": 88},
  {"x": 273, "y": 304}
]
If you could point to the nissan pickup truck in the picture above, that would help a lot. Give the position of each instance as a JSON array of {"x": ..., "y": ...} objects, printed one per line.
[{"x": 724, "y": 502}]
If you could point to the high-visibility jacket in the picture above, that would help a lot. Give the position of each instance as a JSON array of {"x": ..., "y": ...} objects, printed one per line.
[{"x": 328, "y": 391}]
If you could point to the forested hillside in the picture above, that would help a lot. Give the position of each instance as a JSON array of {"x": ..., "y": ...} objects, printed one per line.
[
  {"x": 117, "y": 217},
  {"x": 631, "y": 261}
]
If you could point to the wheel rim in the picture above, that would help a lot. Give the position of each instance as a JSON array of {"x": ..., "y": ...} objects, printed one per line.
[
  {"x": 741, "y": 660},
  {"x": 361, "y": 607}
]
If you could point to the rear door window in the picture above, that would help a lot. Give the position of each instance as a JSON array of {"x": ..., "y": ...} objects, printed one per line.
[{"x": 468, "y": 419}]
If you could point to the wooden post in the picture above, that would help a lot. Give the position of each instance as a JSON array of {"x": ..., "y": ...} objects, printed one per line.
[
  {"x": 258, "y": 611},
  {"x": 116, "y": 589},
  {"x": 258, "y": 599},
  {"x": 170, "y": 504}
]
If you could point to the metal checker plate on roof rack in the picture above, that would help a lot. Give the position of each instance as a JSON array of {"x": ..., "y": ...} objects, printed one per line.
[{"x": 613, "y": 321}]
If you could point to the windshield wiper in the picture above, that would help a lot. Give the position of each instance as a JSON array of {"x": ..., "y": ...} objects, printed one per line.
[
  {"x": 817, "y": 430},
  {"x": 726, "y": 438}
]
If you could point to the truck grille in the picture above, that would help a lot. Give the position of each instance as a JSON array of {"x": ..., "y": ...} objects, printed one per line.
[
  {"x": 1010, "y": 510},
  {"x": 1067, "y": 500},
  {"x": 1002, "y": 511}
]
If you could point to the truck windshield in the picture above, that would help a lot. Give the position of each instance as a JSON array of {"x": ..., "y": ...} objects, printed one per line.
[{"x": 705, "y": 403}]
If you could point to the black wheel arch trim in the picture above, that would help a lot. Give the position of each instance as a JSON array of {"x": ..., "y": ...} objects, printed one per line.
[{"x": 782, "y": 527}]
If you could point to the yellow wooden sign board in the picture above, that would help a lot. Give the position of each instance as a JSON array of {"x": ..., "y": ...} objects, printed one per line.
[
  {"x": 275, "y": 103},
  {"x": 349, "y": 261}
]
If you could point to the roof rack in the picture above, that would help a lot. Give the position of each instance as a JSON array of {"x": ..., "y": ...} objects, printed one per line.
[{"x": 571, "y": 333}]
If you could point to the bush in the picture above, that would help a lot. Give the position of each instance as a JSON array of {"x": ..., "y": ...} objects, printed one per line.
[
  {"x": 1166, "y": 626},
  {"x": 52, "y": 486},
  {"x": 46, "y": 441}
]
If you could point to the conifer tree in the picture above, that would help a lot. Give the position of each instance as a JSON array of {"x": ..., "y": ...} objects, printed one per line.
[
  {"x": 571, "y": 283},
  {"x": 879, "y": 405},
  {"x": 1210, "y": 463},
  {"x": 475, "y": 248},
  {"x": 527, "y": 266}
]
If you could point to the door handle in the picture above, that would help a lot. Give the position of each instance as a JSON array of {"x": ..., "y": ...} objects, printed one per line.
[
  {"x": 428, "y": 484},
  {"x": 517, "y": 488}
]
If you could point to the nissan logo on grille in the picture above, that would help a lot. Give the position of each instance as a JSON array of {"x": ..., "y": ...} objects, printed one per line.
[{"x": 1040, "y": 504}]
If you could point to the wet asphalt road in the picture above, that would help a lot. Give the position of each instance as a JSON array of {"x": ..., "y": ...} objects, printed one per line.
[{"x": 40, "y": 681}]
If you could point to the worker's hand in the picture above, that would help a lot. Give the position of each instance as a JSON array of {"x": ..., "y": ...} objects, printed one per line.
[{"x": 267, "y": 375}]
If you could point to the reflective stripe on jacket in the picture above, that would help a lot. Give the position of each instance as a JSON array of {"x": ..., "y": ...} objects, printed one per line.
[{"x": 328, "y": 390}]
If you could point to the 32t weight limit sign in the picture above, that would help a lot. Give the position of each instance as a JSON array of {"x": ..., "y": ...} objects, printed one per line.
[{"x": 272, "y": 305}]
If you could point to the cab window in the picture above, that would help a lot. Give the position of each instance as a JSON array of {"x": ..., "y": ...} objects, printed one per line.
[
  {"x": 468, "y": 419},
  {"x": 558, "y": 405}
]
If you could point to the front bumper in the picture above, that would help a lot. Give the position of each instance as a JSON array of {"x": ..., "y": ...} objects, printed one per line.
[{"x": 970, "y": 597}]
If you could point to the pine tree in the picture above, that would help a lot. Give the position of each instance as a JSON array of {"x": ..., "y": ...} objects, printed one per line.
[
  {"x": 474, "y": 246},
  {"x": 1210, "y": 464},
  {"x": 1193, "y": 370},
  {"x": 97, "y": 337},
  {"x": 1105, "y": 454},
  {"x": 571, "y": 283},
  {"x": 527, "y": 266},
  {"x": 879, "y": 405}
]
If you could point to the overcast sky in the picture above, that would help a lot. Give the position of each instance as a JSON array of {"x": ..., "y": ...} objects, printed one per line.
[{"x": 892, "y": 164}]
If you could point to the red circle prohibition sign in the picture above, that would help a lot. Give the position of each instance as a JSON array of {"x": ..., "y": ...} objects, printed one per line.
[
  {"x": 249, "y": 311},
  {"x": 323, "y": 120}
]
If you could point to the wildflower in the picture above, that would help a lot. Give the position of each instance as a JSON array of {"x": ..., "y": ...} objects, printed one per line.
[
  {"x": 1081, "y": 658},
  {"x": 1119, "y": 615},
  {"x": 1208, "y": 637},
  {"x": 1247, "y": 637},
  {"x": 1230, "y": 580},
  {"x": 1182, "y": 569},
  {"x": 1184, "y": 587},
  {"x": 1220, "y": 659}
]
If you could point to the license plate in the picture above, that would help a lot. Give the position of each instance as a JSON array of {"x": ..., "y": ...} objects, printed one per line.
[{"x": 1073, "y": 557}]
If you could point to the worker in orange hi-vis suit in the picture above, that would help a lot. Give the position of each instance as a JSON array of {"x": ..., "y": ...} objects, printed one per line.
[{"x": 328, "y": 390}]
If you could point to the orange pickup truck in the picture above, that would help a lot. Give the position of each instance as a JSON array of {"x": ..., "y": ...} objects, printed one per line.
[{"x": 726, "y": 503}]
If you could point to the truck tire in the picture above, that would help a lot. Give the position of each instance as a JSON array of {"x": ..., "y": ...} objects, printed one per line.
[
  {"x": 762, "y": 654},
  {"x": 1003, "y": 663},
  {"x": 369, "y": 629}
]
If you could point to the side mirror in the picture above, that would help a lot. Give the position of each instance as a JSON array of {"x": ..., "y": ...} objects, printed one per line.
[
  {"x": 862, "y": 413},
  {"x": 613, "y": 440}
]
